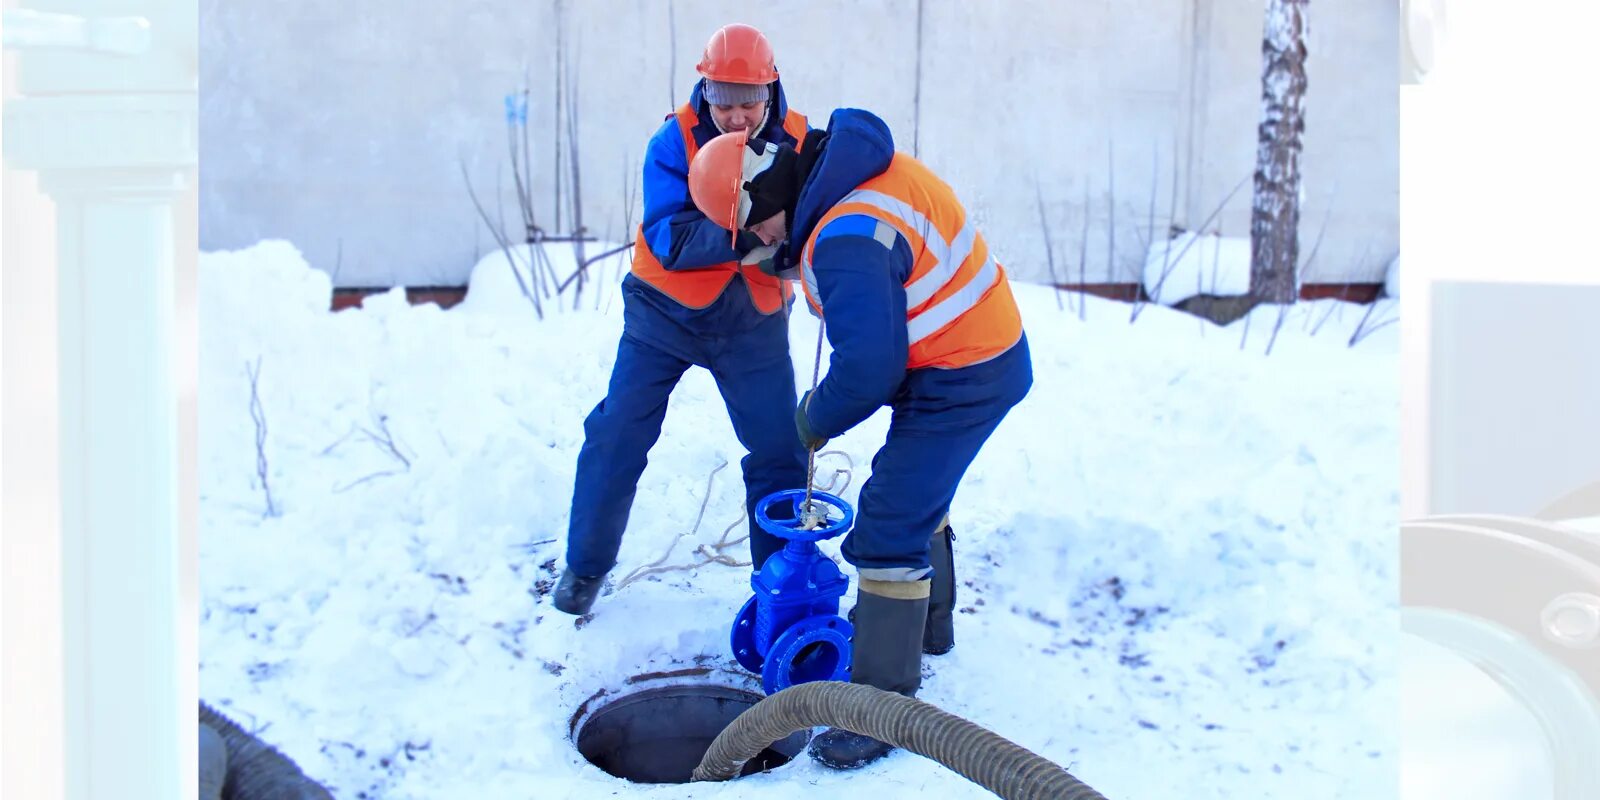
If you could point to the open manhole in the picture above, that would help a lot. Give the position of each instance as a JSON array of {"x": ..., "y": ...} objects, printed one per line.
[{"x": 659, "y": 735}]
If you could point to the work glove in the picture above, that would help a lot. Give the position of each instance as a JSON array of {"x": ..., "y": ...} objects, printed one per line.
[
  {"x": 802, "y": 425},
  {"x": 764, "y": 257}
]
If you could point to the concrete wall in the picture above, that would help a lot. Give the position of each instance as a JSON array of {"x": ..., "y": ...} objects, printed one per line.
[{"x": 340, "y": 126}]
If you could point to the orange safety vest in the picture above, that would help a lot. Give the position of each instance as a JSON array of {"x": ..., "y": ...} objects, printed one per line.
[
  {"x": 701, "y": 286},
  {"x": 959, "y": 307}
]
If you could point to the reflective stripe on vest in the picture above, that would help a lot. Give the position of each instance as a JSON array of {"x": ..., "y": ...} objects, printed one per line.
[
  {"x": 959, "y": 307},
  {"x": 701, "y": 286}
]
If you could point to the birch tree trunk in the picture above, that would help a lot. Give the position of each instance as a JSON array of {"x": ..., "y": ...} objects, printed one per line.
[{"x": 1275, "y": 216}]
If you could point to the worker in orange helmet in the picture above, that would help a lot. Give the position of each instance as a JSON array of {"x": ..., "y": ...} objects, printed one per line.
[
  {"x": 921, "y": 319},
  {"x": 693, "y": 298}
]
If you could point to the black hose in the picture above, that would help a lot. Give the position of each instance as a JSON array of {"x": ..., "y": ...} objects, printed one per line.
[
  {"x": 989, "y": 760},
  {"x": 213, "y": 763},
  {"x": 255, "y": 770}
]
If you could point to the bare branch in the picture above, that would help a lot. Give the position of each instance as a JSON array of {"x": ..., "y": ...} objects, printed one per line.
[
  {"x": 353, "y": 484},
  {"x": 500, "y": 237},
  {"x": 258, "y": 414},
  {"x": 631, "y": 179},
  {"x": 1111, "y": 206},
  {"x": 539, "y": 275},
  {"x": 1044, "y": 227},
  {"x": 338, "y": 261},
  {"x": 555, "y": 117},
  {"x": 916, "y": 93},
  {"x": 341, "y": 440},
  {"x": 1150, "y": 225},
  {"x": 1283, "y": 312},
  {"x": 1361, "y": 334},
  {"x": 1216, "y": 259},
  {"x": 628, "y": 190},
  {"x": 574, "y": 151},
  {"x": 1083, "y": 260},
  {"x": 1365, "y": 250},
  {"x": 1198, "y": 235},
  {"x": 584, "y": 267},
  {"x": 1305, "y": 271},
  {"x": 517, "y": 165},
  {"x": 672, "y": 55},
  {"x": 1166, "y": 250},
  {"x": 1362, "y": 331},
  {"x": 1172, "y": 209},
  {"x": 385, "y": 439},
  {"x": 527, "y": 166}
]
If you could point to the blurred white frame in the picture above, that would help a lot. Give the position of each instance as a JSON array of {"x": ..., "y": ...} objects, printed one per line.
[{"x": 98, "y": 591}]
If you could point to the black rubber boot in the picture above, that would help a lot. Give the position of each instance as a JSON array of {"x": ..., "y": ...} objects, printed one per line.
[
  {"x": 576, "y": 593},
  {"x": 887, "y": 654},
  {"x": 939, "y": 637}
]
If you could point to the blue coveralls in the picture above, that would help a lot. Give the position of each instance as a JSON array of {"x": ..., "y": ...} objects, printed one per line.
[
  {"x": 746, "y": 351},
  {"x": 941, "y": 417}
]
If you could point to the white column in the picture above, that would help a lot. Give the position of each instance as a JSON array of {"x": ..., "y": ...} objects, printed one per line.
[
  {"x": 118, "y": 481},
  {"x": 103, "y": 111}
]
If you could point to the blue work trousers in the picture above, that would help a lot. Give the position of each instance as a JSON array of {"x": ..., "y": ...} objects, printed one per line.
[
  {"x": 942, "y": 418},
  {"x": 747, "y": 354}
]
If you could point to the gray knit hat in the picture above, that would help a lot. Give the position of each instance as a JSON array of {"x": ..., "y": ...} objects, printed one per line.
[{"x": 719, "y": 93}]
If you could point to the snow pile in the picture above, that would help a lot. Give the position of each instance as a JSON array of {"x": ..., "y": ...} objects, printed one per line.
[
  {"x": 1176, "y": 556},
  {"x": 1190, "y": 264},
  {"x": 505, "y": 280}
]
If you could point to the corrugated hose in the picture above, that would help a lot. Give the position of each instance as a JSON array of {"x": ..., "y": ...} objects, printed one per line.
[{"x": 983, "y": 757}]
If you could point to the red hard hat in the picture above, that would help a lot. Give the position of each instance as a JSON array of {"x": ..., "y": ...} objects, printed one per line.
[
  {"x": 738, "y": 53},
  {"x": 715, "y": 178}
]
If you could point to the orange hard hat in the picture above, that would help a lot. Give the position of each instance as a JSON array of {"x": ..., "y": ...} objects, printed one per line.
[
  {"x": 738, "y": 53},
  {"x": 715, "y": 178},
  {"x": 718, "y": 174}
]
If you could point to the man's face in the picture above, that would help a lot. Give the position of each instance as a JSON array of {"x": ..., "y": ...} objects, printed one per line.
[
  {"x": 740, "y": 117},
  {"x": 773, "y": 229}
]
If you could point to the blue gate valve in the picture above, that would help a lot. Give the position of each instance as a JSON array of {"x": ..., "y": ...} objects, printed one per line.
[{"x": 790, "y": 631}]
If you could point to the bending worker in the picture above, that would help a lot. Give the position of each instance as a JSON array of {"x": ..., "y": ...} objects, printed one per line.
[{"x": 922, "y": 319}]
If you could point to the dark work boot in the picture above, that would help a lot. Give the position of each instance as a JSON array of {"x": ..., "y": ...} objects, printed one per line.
[
  {"x": 939, "y": 637},
  {"x": 576, "y": 593},
  {"x": 886, "y": 654}
]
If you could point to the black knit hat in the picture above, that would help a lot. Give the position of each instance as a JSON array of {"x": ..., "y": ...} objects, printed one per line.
[{"x": 774, "y": 189}]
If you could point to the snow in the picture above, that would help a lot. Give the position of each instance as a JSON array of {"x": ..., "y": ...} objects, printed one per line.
[
  {"x": 1391, "y": 278},
  {"x": 1177, "y": 562},
  {"x": 1191, "y": 264}
]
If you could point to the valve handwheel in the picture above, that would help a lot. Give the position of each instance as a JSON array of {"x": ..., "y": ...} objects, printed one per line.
[{"x": 825, "y": 517}]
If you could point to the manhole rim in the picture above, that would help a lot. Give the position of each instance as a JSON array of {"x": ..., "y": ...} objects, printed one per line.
[
  {"x": 719, "y": 677},
  {"x": 717, "y": 682}
]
